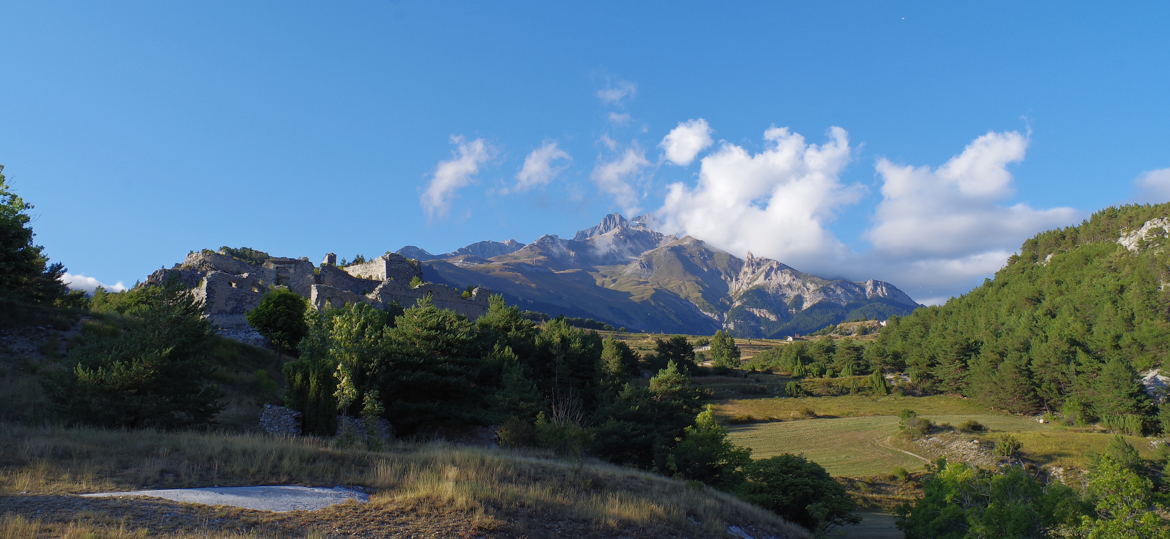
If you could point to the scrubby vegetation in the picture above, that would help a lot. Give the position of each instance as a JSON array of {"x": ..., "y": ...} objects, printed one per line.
[{"x": 963, "y": 501}]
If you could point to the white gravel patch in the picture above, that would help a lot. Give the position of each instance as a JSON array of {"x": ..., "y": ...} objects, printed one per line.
[{"x": 276, "y": 498}]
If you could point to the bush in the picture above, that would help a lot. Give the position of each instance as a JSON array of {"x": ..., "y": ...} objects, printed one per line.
[
  {"x": 959, "y": 500},
  {"x": 972, "y": 426},
  {"x": 516, "y": 433},
  {"x": 917, "y": 427},
  {"x": 798, "y": 490},
  {"x": 913, "y": 426},
  {"x": 705, "y": 454},
  {"x": 280, "y": 318},
  {"x": 561, "y": 436},
  {"x": 153, "y": 372},
  {"x": 1130, "y": 424},
  {"x": 1008, "y": 446}
]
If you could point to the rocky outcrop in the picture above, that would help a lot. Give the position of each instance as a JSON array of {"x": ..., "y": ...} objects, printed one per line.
[
  {"x": 229, "y": 287},
  {"x": 1157, "y": 228}
]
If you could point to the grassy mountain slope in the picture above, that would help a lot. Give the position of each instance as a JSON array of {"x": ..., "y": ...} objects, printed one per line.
[{"x": 416, "y": 490}]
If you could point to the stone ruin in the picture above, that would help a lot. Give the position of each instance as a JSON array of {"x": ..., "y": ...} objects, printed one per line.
[{"x": 230, "y": 287}]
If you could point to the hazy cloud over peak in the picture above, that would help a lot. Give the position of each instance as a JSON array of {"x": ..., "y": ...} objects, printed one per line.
[
  {"x": 618, "y": 176},
  {"x": 774, "y": 203}
]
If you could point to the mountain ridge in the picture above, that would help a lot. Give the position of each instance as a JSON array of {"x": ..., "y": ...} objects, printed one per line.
[{"x": 625, "y": 273}]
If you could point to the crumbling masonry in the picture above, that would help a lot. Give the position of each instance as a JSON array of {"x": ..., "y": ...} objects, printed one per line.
[{"x": 229, "y": 287}]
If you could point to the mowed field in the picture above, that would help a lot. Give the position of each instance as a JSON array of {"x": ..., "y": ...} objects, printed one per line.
[{"x": 855, "y": 436}]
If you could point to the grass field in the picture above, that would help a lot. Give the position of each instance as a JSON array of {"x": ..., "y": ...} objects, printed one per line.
[
  {"x": 854, "y": 436},
  {"x": 845, "y": 406},
  {"x": 848, "y": 446}
]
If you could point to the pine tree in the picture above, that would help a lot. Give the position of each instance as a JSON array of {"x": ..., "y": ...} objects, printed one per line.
[
  {"x": 724, "y": 351},
  {"x": 25, "y": 273}
]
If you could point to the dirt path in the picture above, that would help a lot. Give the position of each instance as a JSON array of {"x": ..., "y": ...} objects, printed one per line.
[
  {"x": 882, "y": 444},
  {"x": 276, "y": 498}
]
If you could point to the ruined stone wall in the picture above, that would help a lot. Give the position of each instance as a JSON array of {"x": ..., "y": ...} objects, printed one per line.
[
  {"x": 444, "y": 297},
  {"x": 388, "y": 267},
  {"x": 227, "y": 298},
  {"x": 207, "y": 261},
  {"x": 296, "y": 274},
  {"x": 336, "y": 278},
  {"x": 325, "y": 296},
  {"x": 230, "y": 288}
]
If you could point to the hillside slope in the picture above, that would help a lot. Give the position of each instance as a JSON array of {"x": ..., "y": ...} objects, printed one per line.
[
  {"x": 628, "y": 274},
  {"x": 416, "y": 490},
  {"x": 1066, "y": 324}
]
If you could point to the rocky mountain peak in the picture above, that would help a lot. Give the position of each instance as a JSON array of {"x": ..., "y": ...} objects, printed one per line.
[{"x": 610, "y": 222}]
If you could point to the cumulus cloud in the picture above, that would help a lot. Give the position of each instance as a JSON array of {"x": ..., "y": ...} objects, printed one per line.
[
  {"x": 541, "y": 166},
  {"x": 1153, "y": 187},
  {"x": 619, "y": 118},
  {"x": 454, "y": 174},
  {"x": 617, "y": 176},
  {"x": 941, "y": 230},
  {"x": 88, "y": 284},
  {"x": 685, "y": 141},
  {"x": 774, "y": 203},
  {"x": 617, "y": 92}
]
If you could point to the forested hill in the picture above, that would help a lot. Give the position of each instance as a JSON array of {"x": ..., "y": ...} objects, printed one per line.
[{"x": 1066, "y": 325}]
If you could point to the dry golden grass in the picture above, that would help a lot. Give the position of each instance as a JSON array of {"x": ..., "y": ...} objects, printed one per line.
[
  {"x": 461, "y": 490},
  {"x": 19, "y": 527}
]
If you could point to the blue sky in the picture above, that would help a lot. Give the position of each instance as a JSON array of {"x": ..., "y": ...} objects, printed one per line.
[{"x": 924, "y": 140}]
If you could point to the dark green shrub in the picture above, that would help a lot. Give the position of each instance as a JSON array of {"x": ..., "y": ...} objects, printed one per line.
[
  {"x": 798, "y": 490},
  {"x": 1008, "y": 446},
  {"x": 972, "y": 426},
  {"x": 155, "y": 371},
  {"x": 280, "y": 318}
]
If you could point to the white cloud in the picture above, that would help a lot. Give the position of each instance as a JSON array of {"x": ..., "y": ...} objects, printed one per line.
[
  {"x": 454, "y": 174},
  {"x": 1153, "y": 187},
  {"x": 955, "y": 210},
  {"x": 541, "y": 166},
  {"x": 618, "y": 176},
  {"x": 774, "y": 203},
  {"x": 617, "y": 91},
  {"x": 685, "y": 141},
  {"x": 88, "y": 284},
  {"x": 940, "y": 231},
  {"x": 619, "y": 118}
]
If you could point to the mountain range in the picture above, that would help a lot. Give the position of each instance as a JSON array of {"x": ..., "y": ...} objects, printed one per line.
[{"x": 626, "y": 273}]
